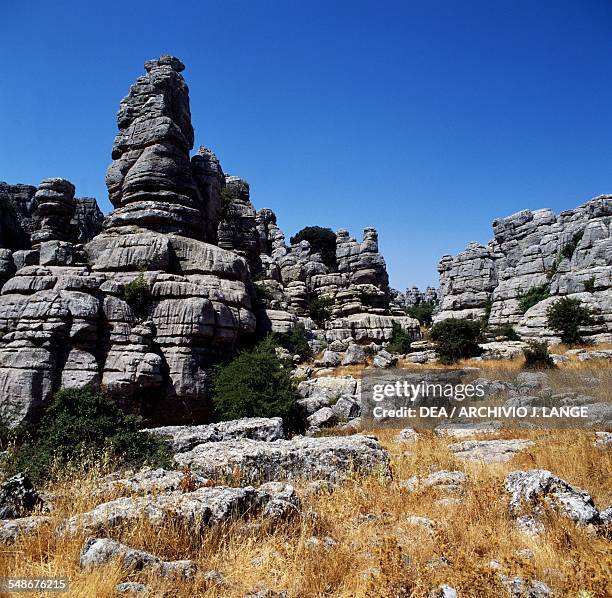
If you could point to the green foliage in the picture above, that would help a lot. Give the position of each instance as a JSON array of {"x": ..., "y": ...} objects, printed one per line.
[
  {"x": 322, "y": 240},
  {"x": 487, "y": 314},
  {"x": 569, "y": 248},
  {"x": 507, "y": 331},
  {"x": 262, "y": 294},
  {"x": 537, "y": 357},
  {"x": 226, "y": 202},
  {"x": 566, "y": 316},
  {"x": 589, "y": 284},
  {"x": 137, "y": 295},
  {"x": 423, "y": 312},
  {"x": 533, "y": 296},
  {"x": 255, "y": 384},
  {"x": 456, "y": 339},
  {"x": 295, "y": 341},
  {"x": 84, "y": 423},
  {"x": 400, "y": 339},
  {"x": 319, "y": 309}
]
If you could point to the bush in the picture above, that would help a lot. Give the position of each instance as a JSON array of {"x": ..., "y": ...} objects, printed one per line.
[
  {"x": 319, "y": 309},
  {"x": 533, "y": 296},
  {"x": 487, "y": 313},
  {"x": 537, "y": 357},
  {"x": 322, "y": 240},
  {"x": 569, "y": 248},
  {"x": 589, "y": 284},
  {"x": 85, "y": 423},
  {"x": 566, "y": 316},
  {"x": 255, "y": 384},
  {"x": 423, "y": 312},
  {"x": 137, "y": 295},
  {"x": 295, "y": 341},
  {"x": 507, "y": 331},
  {"x": 456, "y": 339},
  {"x": 400, "y": 339}
]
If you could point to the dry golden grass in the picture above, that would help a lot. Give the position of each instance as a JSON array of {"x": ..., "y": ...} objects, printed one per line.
[{"x": 375, "y": 556}]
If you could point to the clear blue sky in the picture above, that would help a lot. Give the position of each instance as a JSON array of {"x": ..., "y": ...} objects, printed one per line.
[{"x": 425, "y": 119}]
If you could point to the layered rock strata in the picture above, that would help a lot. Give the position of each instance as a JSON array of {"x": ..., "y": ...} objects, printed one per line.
[{"x": 569, "y": 254}]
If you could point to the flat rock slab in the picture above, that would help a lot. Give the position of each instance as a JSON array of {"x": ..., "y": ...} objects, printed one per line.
[
  {"x": 184, "y": 438},
  {"x": 10, "y": 529},
  {"x": 467, "y": 429},
  {"x": 203, "y": 507},
  {"x": 332, "y": 458},
  {"x": 489, "y": 451},
  {"x": 98, "y": 552},
  {"x": 149, "y": 481}
]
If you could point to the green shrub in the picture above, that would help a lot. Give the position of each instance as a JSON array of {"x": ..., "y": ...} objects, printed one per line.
[
  {"x": 532, "y": 297},
  {"x": 536, "y": 356},
  {"x": 589, "y": 284},
  {"x": 400, "y": 339},
  {"x": 319, "y": 309},
  {"x": 137, "y": 295},
  {"x": 423, "y": 312},
  {"x": 505, "y": 330},
  {"x": 263, "y": 295},
  {"x": 295, "y": 341},
  {"x": 566, "y": 316},
  {"x": 322, "y": 241},
  {"x": 569, "y": 248},
  {"x": 255, "y": 384},
  {"x": 456, "y": 339},
  {"x": 83, "y": 423}
]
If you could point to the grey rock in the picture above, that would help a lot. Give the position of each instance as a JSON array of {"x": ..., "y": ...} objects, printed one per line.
[
  {"x": 528, "y": 488},
  {"x": 131, "y": 587},
  {"x": 354, "y": 355},
  {"x": 322, "y": 417},
  {"x": 444, "y": 591},
  {"x": 18, "y": 497},
  {"x": 346, "y": 408},
  {"x": 518, "y": 587},
  {"x": 407, "y": 435},
  {"x": 603, "y": 439},
  {"x": 98, "y": 552},
  {"x": 445, "y": 481},
  {"x": 329, "y": 458},
  {"x": 185, "y": 438},
  {"x": 331, "y": 359},
  {"x": 466, "y": 429},
  {"x": 489, "y": 451},
  {"x": 11, "y": 529}
]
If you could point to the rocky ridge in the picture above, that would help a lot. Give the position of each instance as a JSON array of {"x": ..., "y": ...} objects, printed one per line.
[{"x": 569, "y": 254}]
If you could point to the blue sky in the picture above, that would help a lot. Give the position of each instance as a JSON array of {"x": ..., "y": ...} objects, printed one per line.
[{"x": 426, "y": 120}]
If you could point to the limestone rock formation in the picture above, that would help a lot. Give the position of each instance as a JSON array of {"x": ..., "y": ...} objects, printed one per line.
[
  {"x": 55, "y": 207},
  {"x": 569, "y": 254}
]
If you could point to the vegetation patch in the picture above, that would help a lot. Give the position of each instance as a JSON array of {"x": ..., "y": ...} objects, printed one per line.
[
  {"x": 566, "y": 316},
  {"x": 532, "y": 297},
  {"x": 423, "y": 312},
  {"x": 570, "y": 247},
  {"x": 400, "y": 339},
  {"x": 322, "y": 240},
  {"x": 537, "y": 356},
  {"x": 256, "y": 384},
  {"x": 137, "y": 295},
  {"x": 456, "y": 339},
  {"x": 80, "y": 428},
  {"x": 320, "y": 310}
]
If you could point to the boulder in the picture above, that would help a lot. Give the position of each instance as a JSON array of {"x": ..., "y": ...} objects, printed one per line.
[
  {"x": 489, "y": 451},
  {"x": 329, "y": 458}
]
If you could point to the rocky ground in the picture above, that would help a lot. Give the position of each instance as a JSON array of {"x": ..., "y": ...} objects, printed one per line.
[{"x": 412, "y": 516}]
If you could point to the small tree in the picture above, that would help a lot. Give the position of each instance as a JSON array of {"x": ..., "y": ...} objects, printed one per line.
[
  {"x": 255, "y": 384},
  {"x": 566, "y": 316},
  {"x": 456, "y": 339},
  {"x": 322, "y": 241},
  {"x": 137, "y": 295},
  {"x": 83, "y": 422},
  {"x": 569, "y": 249},
  {"x": 532, "y": 297},
  {"x": 295, "y": 341},
  {"x": 400, "y": 339},
  {"x": 537, "y": 356},
  {"x": 319, "y": 309},
  {"x": 423, "y": 312}
]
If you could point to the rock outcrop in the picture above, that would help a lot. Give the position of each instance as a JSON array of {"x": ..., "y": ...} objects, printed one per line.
[{"x": 569, "y": 254}]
